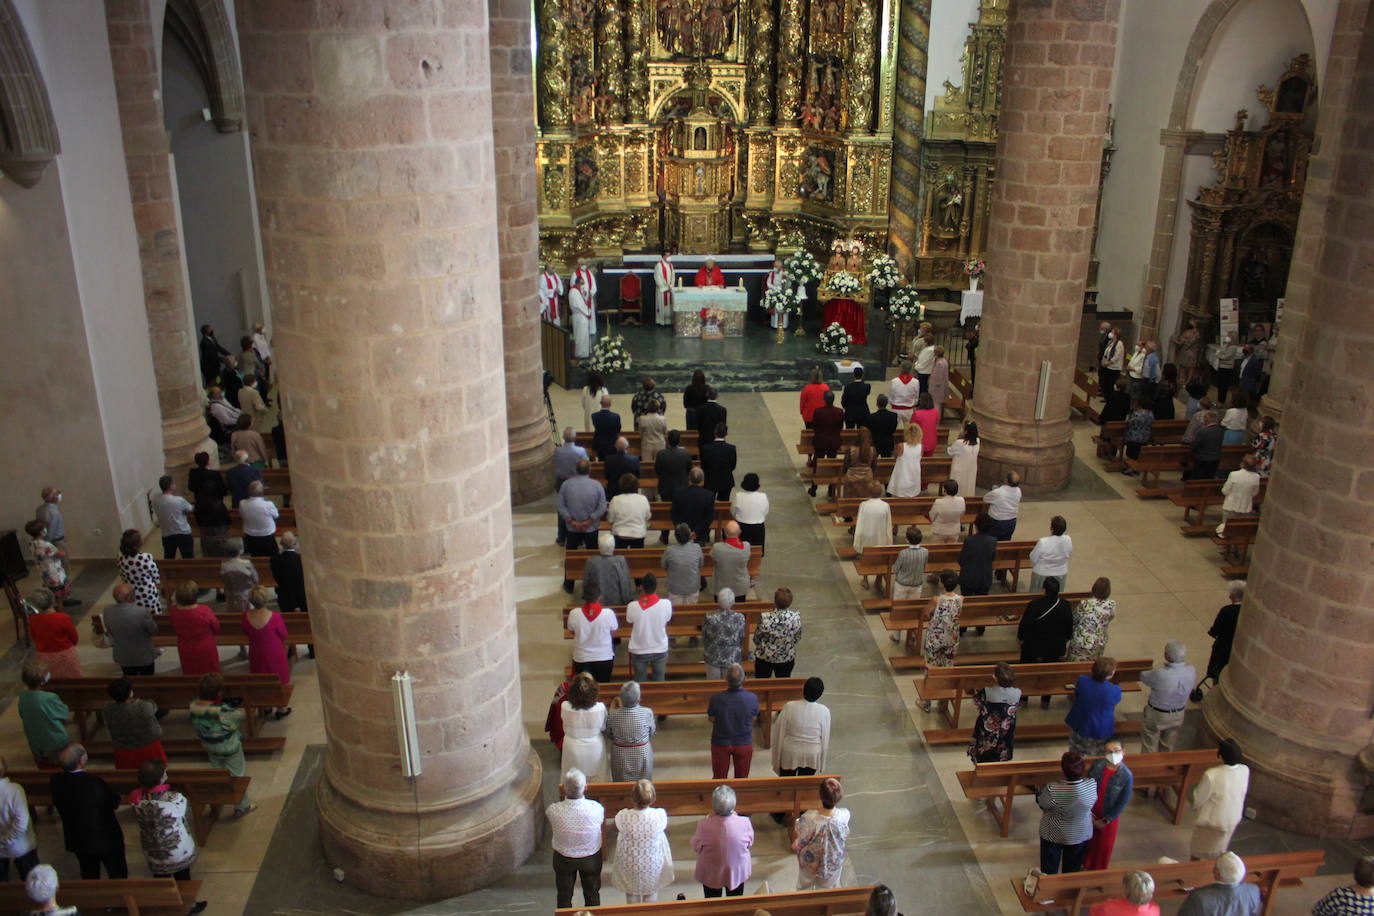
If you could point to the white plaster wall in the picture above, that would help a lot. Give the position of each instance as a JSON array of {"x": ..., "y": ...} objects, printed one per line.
[
  {"x": 1252, "y": 46},
  {"x": 79, "y": 362},
  {"x": 949, "y": 22}
]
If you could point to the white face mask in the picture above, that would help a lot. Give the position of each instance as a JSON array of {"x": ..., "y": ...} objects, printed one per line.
[
  {"x": 59, "y": 497},
  {"x": 1115, "y": 758}
]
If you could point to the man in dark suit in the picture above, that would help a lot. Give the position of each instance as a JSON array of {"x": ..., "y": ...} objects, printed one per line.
[
  {"x": 882, "y": 426},
  {"x": 286, "y": 569},
  {"x": 671, "y": 464},
  {"x": 855, "y": 401},
  {"x": 695, "y": 507},
  {"x": 718, "y": 462},
  {"x": 240, "y": 477},
  {"x": 1250, "y": 372},
  {"x": 622, "y": 462},
  {"x": 828, "y": 423},
  {"x": 605, "y": 429},
  {"x": 87, "y": 807},
  {"x": 709, "y": 416}
]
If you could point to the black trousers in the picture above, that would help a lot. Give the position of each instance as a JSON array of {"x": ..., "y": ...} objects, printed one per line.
[
  {"x": 1106, "y": 381},
  {"x": 773, "y": 669},
  {"x": 260, "y": 545},
  {"x": 729, "y": 892},
  {"x": 114, "y": 863},
  {"x": 24, "y": 864},
  {"x": 566, "y": 872},
  {"x": 134, "y": 671},
  {"x": 1133, "y": 450},
  {"x": 1053, "y": 855},
  {"x": 602, "y": 671},
  {"x": 1225, "y": 379},
  {"x": 799, "y": 771},
  {"x": 178, "y": 542},
  {"x": 628, "y": 543},
  {"x": 1203, "y": 470}
]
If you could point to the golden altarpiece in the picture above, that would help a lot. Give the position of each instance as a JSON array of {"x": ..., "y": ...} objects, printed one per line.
[
  {"x": 1243, "y": 226},
  {"x": 707, "y": 126}
]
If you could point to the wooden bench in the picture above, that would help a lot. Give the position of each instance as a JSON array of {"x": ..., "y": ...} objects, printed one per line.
[
  {"x": 1158, "y": 459},
  {"x": 1083, "y": 402},
  {"x": 1237, "y": 536},
  {"x": 840, "y": 901},
  {"x": 1012, "y": 557},
  {"x": 690, "y": 441},
  {"x": 1075, "y": 892},
  {"x": 677, "y": 698},
  {"x": 643, "y": 560},
  {"x": 1197, "y": 496},
  {"x": 906, "y": 510},
  {"x": 692, "y": 797},
  {"x": 849, "y": 438},
  {"x": 830, "y": 471},
  {"x": 231, "y": 633},
  {"x": 137, "y": 896},
  {"x": 204, "y": 571},
  {"x": 205, "y": 790},
  {"x": 912, "y": 614},
  {"x": 960, "y": 393},
  {"x": 948, "y": 687},
  {"x": 661, "y": 516},
  {"x": 86, "y": 696},
  {"x": 1111, "y": 441},
  {"x": 999, "y": 783},
  {"x": 648, "y": 476}
]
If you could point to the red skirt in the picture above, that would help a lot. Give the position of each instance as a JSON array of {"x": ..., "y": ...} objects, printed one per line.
[{"x": 130, "y": 759}]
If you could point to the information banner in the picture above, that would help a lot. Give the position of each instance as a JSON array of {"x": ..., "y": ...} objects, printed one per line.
[{"x": 1230, "y": 318}]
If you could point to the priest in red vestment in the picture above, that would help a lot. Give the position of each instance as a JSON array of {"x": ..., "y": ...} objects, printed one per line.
[{"x": 709, "y": 274}]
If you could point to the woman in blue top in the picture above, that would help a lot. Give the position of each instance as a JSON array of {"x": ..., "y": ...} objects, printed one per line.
[{"x": 1092, "y": 720}]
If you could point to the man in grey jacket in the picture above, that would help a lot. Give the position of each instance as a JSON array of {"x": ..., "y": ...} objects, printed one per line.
[
  {"x": 731, "y": 560},
  {"x": 131, "y": 629}
]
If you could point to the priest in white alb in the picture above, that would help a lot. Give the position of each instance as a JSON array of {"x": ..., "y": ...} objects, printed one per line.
[
  {"x": 663, "y": 289},
  {"x": 777, "y": 277},
  {"x": 588, "y": 278},
  {"x": 550, "y": 288},
  {"x": 582, "y": 312}
]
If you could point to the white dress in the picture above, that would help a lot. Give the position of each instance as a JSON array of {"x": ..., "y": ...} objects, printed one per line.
[
  {"x": 906, "y": 473},
  {"x": 583, "y": 746},
  {"x": 963, "y": 466},
  {"x": 643, "y": 863},
  {"x": 591, "y": 403},
  {"x": 872, "y": 525},
  {"x": 582, "y": 323}
]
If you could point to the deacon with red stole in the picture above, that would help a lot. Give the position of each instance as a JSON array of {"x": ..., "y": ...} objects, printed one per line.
[
  {"x": 588, "y": 278},
  {"x": 710, "y": 275},
  {"x": 663, "y": 289},
  {"x": 550, "y": 288}
]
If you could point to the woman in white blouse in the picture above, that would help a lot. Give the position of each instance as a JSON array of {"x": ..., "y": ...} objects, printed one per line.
[
  {"x": 801, "y": 733},
  {"x": 643, "y": 863},
  {"x": 749, "y": 507},
  {"x": 1236, "y": 419},
  {"x": 963, "y": 463},
  {"x": 947, "y": 514},
  {"x": 584, "y": 719},
  {"x": 873, "y": 523},
  {"x": 1050, "y": 557},
  {"x": 629, "y": 514},
  {"x": 591, "y": 398}
]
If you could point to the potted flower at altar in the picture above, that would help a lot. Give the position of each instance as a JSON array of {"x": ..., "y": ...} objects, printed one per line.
[
  {"x": 782, "y": 299},
  {"x": 883, "y": 276},
  {"x": 609, "y": 355},
  {"x": 834, "y": 340},
  {"x": 974, "y": 268},
  {"x": 802, "y": 269}
]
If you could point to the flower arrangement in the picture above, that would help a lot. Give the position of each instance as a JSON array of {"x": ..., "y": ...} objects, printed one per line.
[
  {"x": 844, "y": 282},
  {"x": 834, "y": 340},
  {"x": 974, "y": 268},
  {"x": 884, "y": 273},
  {"x": 609, "y": 355},
  {"x": 802, "y": 268},
  {"x": 904, "y": 305},
  {"x": 782, "y": 299}
]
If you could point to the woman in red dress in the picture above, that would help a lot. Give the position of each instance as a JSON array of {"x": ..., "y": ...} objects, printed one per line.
[
  {"x": 196, "y": 628},
  {"x": 813, "y": 396},
  {"x": 267, "y": 636},
  {"x": 1114, "y": 785}
]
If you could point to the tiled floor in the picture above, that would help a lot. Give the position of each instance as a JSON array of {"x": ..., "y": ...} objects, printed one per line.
[{"x": 912, "y": 827}]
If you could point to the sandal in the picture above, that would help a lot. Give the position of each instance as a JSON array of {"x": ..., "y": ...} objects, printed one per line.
[
  {"x": 925, "y": 705},
  {"x": 283, "y": 713},
  {"x": 243, "y": 812}
]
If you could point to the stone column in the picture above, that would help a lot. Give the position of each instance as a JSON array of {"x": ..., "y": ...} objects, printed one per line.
[
  {"x": 1296, "y": 692},
  {"x": 517, "y": 219},
  {"x": 1175, "y": 143},
  {"x": 372, "y": 144},
  {"x": 147, "y": 154},
  {"x": 1054, "y": 114}
]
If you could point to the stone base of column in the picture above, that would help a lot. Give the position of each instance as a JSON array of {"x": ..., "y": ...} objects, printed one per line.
[
  {"x": 182, "y": 437},
  {"x": 1042, "y": 453},
  {"x": 432, "y": 854},
  {"x": 1271, "y": 405},
  {"x": 1315, "y": 791},
  {"x": 531, "y": 462}
]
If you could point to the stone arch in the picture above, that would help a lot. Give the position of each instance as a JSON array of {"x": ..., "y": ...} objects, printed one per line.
[
  {"x": 203, "y": 27},
  {"x": 28, "y": 133}
]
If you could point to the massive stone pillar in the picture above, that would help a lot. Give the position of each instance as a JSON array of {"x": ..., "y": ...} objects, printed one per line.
[
  {"x": 147, "y": 154},
  {"x": 517, "y": 218},
  {"x": 372, "y": 143},
  {"x": 1296, "y": 692},
  {"x": 1054, "y": 115}
]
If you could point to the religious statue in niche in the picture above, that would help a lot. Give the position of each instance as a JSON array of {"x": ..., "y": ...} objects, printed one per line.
[
  {"x": 821, "y": 110},
  {"x": 1254, "y": 276},
  {"x": 583, "y": 86},
  {"x": 585, "y": 171},
  {"x": 1274, "y": 167},
  {"x": 581, "y": 13},
  {"x": 817, "y": 174},
  {"x": 828, "y": 16},
  {"x": 697, "y": 28},
  {"x": 1292, "y": 98},
  {"x": 950, "y": 206}
]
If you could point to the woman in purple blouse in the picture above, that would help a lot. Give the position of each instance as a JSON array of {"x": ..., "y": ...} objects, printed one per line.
[{"x": 722, "y": 844}]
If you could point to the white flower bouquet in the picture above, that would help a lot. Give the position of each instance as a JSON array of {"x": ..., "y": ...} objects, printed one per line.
[
  {"x": 904, "y": 305},
  {"x": 609, "y": 355},
  {"x": 843, "y": 282},
  {"x": 884, "y": 273},
  {"x": 782, "y": 299},
  {"x": 834, "y": 340},
  {"x": 802, "y": 268}
]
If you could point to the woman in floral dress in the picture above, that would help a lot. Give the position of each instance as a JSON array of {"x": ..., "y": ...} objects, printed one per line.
[
  {"x": 643, "y": 863},
  {"x": 1090, "y": 621},
  {"x": 942, "y": 631},
  {"x": 821, "y": 836},
  {"x": 1265, "y": 440},
  {"x": 138, "y": 568},
  {"x": 994, "y": 731},
  {"x": 48, "y": 559},
  {"x": 776, "y": 637}
]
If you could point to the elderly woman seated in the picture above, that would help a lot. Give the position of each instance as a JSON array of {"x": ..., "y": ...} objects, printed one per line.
[
  {"x": 1139, "y": 890},
  {"x": 629, "y": 727},
  {"x": 722, "y": 842},
  {"x": 610, "y": 573}
]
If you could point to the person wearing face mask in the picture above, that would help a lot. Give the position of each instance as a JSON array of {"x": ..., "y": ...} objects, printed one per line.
[
  {"x": 1114, "y": 785},
  {"x": 1113, "y": 358}
]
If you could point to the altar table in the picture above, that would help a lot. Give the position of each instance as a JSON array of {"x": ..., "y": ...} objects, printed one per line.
[
  {"x": 971, "y": 305},
  {"x": 689, "y": 301},
  {"x": 849, "y": 315}
]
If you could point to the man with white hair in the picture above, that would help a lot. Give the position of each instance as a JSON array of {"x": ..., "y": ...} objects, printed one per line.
[
  {"x": 902, "y": 392},
  {"x": 609, "y": 573},
  {"x": 576, "y": 825},
  {"x": 565, "y": 459},
  {"x": 617, "y": 465},
  {"x": 1230, "y": 895},
  {"x": 1168, "y": 699},
  {"x": 259, "y": 522},
  {"x": 240, "y": 477},
  {"x": 581, "y": 505},
  {"x": 41, "y": 886}
]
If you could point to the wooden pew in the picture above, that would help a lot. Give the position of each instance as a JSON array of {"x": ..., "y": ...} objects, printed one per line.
[
  {"x": 205, "y": 790},
  {"x": 692, "y": 797},
  {"x": 1000, "y": 783},
  {"x": 1083, "y": 402},
  {"x": 960, "y": 392},
  {"x": 849, "y": 438},
  {"x": 830, "y": 471},
  {"x": 648, "y": 477},
  {"x": 1075, "y": 892},
  {"x": 948, "y": 687},
  {"x": 647, "y": 560},
  {"x": 1199, "y": 496},
  {"x": 1111, "y": 441},
  {"x": 1158, "y": 459},
  {"x": 1012, "y": 556},
  {"x": 204, "y": 571},
  {"x": 1238, "y": 535},
  {"x": 840, "y": 901},
  {"x": 911, "y": 614},
  {"x": 230, "y": 629},
  {"x": 690, "y": 441},
  {"x": 908, "y": 510},
  {"x": 677, "y": 698},
  {"x": 86, "y": 696},
  {"x": 661, "y": 517},
  {"x": 138, "y": 896}
]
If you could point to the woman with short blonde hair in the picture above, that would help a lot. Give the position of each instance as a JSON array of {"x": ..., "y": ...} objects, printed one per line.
[{"x": 643, "y": 862}]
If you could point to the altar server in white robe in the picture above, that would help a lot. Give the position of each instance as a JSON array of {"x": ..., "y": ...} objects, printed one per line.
[
  {"x": 588, "y": 278},
  {"x": 583, "y": 316},
  {"x": 550, "y": 288},
  {"x": 776, "y": 277},
  {"x": 663, "y": 289}
]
